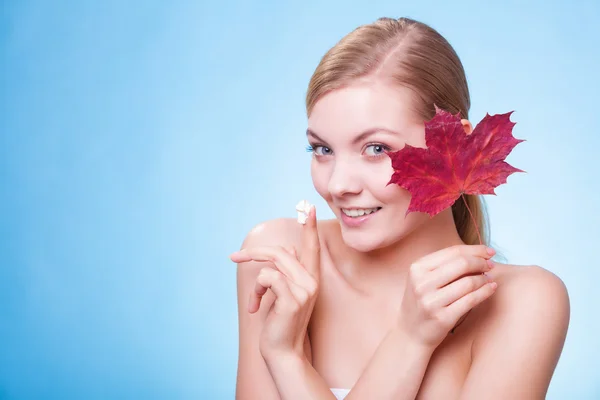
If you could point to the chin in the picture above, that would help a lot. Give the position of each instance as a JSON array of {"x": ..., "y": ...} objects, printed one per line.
[
  {"x": 366, "y": 241},
  {"x": 379, "y": 237}
]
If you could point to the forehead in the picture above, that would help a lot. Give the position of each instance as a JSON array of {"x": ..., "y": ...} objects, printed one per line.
[{"x": 362, "y": 106}]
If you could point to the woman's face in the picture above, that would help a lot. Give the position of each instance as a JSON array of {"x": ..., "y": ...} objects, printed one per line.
[{"x": 349, "y": 167}]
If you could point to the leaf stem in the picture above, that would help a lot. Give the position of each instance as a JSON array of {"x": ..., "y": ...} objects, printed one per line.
[
  {"x": 479, "y": 236},
  {"x": 474, "y": 221}
]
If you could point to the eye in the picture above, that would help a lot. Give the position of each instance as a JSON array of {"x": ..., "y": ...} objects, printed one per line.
[
  {"x": 319, "y": 150},
  {"x": 378, "y": 149}
]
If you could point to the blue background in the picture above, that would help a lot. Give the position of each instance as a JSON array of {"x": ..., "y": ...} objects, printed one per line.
[{"x": 141, "y": 141}]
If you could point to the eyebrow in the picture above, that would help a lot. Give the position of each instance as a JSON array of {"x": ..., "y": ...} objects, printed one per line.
[{"x": 360, "y": 137}]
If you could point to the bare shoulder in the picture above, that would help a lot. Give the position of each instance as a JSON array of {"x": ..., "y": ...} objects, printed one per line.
[
  {"x": 519, "y": 334},
  {"x": 284, "y": 232},
  {"x": 527, "y": 286},
  {"x": 277, "y": 231},
  {"x": 253, "y": 378},
  {"x": 525, "y": 290},
  {"x": 273, "y": 232}
]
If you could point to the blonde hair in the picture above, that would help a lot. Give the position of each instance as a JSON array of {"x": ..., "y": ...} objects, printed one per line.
[{"x": 412, "y": 54}]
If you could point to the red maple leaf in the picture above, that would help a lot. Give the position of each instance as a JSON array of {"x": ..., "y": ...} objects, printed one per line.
[{"x": 454, "y": 162}]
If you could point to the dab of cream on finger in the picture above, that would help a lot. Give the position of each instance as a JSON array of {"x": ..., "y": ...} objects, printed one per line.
[{"x": 303, "y": 208}]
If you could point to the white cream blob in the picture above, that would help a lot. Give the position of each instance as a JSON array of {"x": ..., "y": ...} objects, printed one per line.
[{"x": 303, "y": 208}]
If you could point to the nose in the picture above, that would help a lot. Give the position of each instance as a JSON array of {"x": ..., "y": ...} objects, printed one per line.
[{"x": 344, "y": 178}]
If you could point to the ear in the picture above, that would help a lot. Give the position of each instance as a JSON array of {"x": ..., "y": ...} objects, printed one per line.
[{"x": 467, "y": 125}]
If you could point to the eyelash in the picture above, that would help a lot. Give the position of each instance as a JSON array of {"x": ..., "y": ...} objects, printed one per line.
[{"x": 311, "y": 149}]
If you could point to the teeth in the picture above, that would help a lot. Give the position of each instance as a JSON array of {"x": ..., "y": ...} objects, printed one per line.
[{"x": 360, "y": 212}]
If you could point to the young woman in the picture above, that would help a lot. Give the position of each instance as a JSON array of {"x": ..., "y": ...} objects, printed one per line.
[{"x": 374, "y": 304}]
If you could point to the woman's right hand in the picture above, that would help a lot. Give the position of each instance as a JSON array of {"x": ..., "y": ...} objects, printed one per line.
[{"x": 441, "y": 287}]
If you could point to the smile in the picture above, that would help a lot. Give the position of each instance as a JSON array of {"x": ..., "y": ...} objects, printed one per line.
[{"x": 354, "y": 213}]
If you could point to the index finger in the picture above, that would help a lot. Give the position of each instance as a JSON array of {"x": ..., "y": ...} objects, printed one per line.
[
  {"x": 311, "y": 248},
  {"x": 438, "y": 258}
]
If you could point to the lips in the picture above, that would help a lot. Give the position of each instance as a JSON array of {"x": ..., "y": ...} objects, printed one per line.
[{"x": 354, "y": 222}]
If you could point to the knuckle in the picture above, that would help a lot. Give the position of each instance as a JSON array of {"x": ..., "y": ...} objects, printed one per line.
[
  {"x": 278, "y": 277},
  {"x": 444, "y": 320},
  {"x": 263, "y": 273},
  {"x": 302, "y": 296},
  {"x": 293, "y": 307},
  {"x": 471, "y": 301},
  {"x": 312, "y": 287},
  {"x": 473, "y": 284},
  {"x": 457, "y": 250},
  {"x": 415, "y": 267},
  {"x": 420, "y": 289},
  {"x": 428, "y": 306}
]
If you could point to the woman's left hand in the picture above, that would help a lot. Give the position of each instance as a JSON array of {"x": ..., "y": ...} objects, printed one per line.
[{"x": 295, "y": 283}]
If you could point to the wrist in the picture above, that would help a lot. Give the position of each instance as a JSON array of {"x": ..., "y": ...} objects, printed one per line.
[
  {"x": 286, "y": 368},
  {"x": 282, "y": 358},
  {"x": 411, "y": 342},
  {"x": 399, "y": 354},
  {"x": 295, "y": 377}
]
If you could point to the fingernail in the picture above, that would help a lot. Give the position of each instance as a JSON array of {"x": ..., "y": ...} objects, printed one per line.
[
  {"x": 491, "y": 251},
  {"x": 490, "y": 264}
]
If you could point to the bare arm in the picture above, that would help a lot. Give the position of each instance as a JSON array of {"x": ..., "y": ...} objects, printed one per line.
[
  {"x": 515, "y": 355},
  {"x": 395, "y": 371},
  {"x": 275, "y": 377},
  {"x": 296, "y": 378},
  {"x": 441, "y": 287}
]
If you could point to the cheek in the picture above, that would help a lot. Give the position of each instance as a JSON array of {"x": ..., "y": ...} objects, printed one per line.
[
  {"x": 320, "y": 178},
  {"x": 394, "y": 195},
  {"x": 398, "y": 200},
  {"x": 391, "y": 194}
]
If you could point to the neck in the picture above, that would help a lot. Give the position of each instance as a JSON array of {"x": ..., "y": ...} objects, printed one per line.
[{"x": 387, "y": 267}]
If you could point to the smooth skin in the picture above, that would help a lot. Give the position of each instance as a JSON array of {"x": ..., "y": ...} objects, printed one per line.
[{"x": 325, "y": 305}]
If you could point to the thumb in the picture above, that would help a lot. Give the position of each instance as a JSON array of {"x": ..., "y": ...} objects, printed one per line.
[{"x": 311, "y": 248}]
